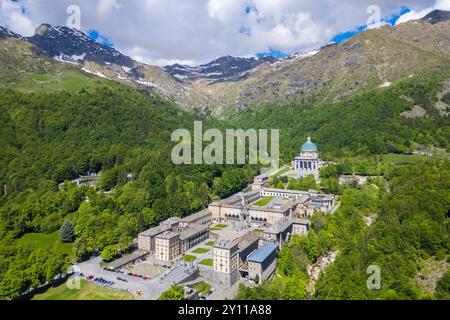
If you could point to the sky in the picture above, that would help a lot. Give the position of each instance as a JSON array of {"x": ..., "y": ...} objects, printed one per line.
[{"x": 192, "y": 32}]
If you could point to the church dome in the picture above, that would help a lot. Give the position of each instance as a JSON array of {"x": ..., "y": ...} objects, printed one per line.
[{"x": 309, "y": 146}]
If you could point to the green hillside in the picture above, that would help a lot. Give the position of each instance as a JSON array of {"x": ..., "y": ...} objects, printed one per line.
[{"x": 369, "y": 122}]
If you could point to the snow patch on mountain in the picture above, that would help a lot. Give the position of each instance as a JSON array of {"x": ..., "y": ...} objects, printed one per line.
[{"x": 95, "y": 73}]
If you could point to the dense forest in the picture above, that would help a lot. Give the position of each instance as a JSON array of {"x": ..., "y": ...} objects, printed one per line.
[{"x": 50, "y": 138}]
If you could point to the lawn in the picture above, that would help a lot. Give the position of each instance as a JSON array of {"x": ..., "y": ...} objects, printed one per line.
[
  {"x": 210, "y": 243},
  {"x": 200, "y": 251},
  {"x": 221, "y": 226},
  {"x": 203, "y": 288},
  {"x": 207, "y": 262},
  {"x": 263, "y": 202},
  {"x": 88, "y": 291},
  {"x": 259, "y": 230},
  {"x": 189, "y": 258},
  {"x": 46, "y": 241},
  {"x": 215, "y": 229},
  {"x": 68, "y": 80}
]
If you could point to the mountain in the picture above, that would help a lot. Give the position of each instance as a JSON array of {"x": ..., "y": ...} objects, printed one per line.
[
  {"x": 71, "y": 45},
  {"x": 372, "y": 59},
  {"x": 437, "y": 16},
  {"x": 5, "y": 32},
  {"x": 223, "y": 69}
]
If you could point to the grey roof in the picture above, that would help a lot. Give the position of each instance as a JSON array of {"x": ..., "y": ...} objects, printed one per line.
[
  {"x": 171, "y": 221},
  {"x": 280, "y": 226},
  {"x": 192, "y": 230},
  {"x": 248, "y": 239},
  {"x": 198, "y": 215},
  {"x": 236, "y": 200},
  {"x": 168, "y": 235},
  {"x": 223, "y": 244},
  {"x": 263, "y": 253},
  {"x": 301, "y": 221},
  {"x": 155, "y": 231},
  {"x": 126, "y": 259}
]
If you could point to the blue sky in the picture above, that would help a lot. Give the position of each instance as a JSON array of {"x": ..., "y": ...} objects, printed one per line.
[
  {"x": 96, "y": 36},
  {"x": 392, "y": 19}
]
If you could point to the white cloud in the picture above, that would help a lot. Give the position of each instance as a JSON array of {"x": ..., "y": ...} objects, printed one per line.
[
  {"x": 443, "y": 5},
  {"x": 419, "y": 14},
  {"x": 15, "y": 19},
  {"x": 197, "y": 31},
  {"x": 413, "y": 15},
  {"x": 106, "y": 6},
  {"x": 225, "y": 11}
]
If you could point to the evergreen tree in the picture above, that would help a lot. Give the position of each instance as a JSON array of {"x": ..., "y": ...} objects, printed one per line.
[{"x": 67, "y": 232}]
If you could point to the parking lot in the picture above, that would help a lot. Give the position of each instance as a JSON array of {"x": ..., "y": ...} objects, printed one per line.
[{"x": 142, "y": 289}]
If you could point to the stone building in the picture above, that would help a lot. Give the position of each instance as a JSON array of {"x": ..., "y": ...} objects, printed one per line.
[
  {"x": 300, "y": 227},
  {"x": 259, "y": 182},
  {"x": 281, "y": 232},
  {"x": 307, "y": 162},
  {"x": 175, "y": 236},
  {"x": 226, "y": 262},
  {"x": 233, "y": 207},
  {"x": 262, "y": 263},
  {"x": 167, "y": 246}
]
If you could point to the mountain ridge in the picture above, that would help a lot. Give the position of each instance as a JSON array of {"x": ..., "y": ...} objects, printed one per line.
[{"x": 374, "y": 58}]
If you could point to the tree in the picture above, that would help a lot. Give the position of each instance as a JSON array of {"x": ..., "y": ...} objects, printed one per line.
[
  {"x": 295, "y": 287},
  {"x": 110, "y": 252},
  {"x": 67, "y": 232},
  {"x": 174, "y": 293},
  {"x": 443, "y": 287},
  {"x": 80, "y": 249}
]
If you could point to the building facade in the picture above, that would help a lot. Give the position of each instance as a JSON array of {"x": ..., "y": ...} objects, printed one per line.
[
  {"x": 307, "y": 162},
  {"x": 167, "y": 246},
  {"x": 262, "y": 263},
  {"x": 226, "y": 262},
  {"x": 175, "y": 236},
  {"x": 259, "y": 182}
]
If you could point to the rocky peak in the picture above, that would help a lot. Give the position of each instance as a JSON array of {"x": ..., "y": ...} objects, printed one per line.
[
  {"x": 437, "y": 16},
  {"x": 73, "y": 46},
  {"x": 222, "y": 69},
  {"x": 5, "y": 32}
]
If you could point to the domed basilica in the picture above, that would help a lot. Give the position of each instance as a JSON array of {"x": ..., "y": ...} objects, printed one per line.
[{"x": 308, "y": 162}]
